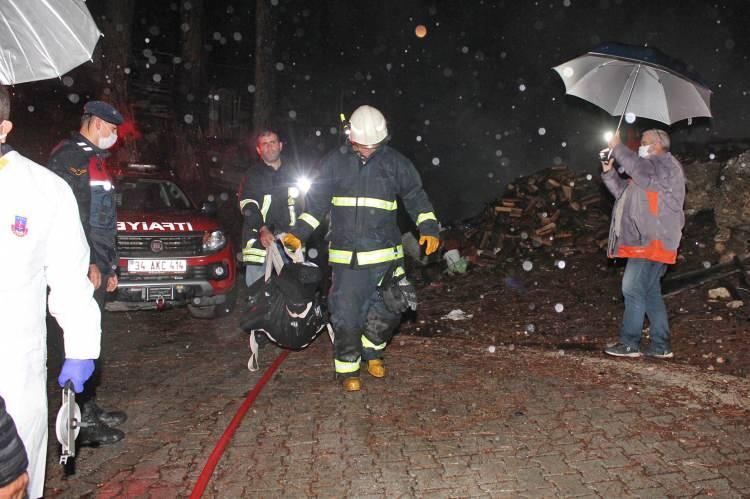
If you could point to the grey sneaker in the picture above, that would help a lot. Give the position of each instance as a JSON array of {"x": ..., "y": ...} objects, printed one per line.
[
  {"x": 621, "y": 350},
  {"x": 659, "y": 353}
]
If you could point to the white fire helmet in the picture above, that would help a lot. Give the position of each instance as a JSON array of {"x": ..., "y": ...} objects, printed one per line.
[{"x": 368, "y": 127}]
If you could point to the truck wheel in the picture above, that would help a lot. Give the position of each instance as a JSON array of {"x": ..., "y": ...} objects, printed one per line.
[{"x": 202, "y": 312}]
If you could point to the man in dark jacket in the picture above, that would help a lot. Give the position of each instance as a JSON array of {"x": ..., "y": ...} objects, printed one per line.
[
  {"x": 647, "y": 222},
  {"x": 13, "y": 460},
  {"x": 81, "y": 162},
  {"x": 360, "y": 186},
  {"x": 269, "y": 202}
]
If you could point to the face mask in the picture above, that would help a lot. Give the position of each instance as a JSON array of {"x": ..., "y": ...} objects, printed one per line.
[
  {"x": 107, "y": 142},
  {"x": 643, "y": 151}
]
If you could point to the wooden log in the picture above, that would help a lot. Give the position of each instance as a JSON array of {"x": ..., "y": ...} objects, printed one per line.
[
  {"x": 550, "y": 227},
  {"x": 553, "y": 182},
  {"x": 567, "y": 191},
  {"x": 503, "y": 209}
]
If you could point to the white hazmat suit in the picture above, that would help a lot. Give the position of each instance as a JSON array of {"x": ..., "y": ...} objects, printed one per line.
[{"x": 41, "y": 244}]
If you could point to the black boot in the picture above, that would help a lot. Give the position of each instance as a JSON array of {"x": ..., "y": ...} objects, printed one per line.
[
  {"x": 91, "y": 412},
  {"x": 94, "y": 430},
  {"x": 97, "y": 433}
]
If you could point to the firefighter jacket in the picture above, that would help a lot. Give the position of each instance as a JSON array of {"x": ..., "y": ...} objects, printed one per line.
[
  {"x": 362, "y": 198},
  {"x": 82, "y": 165},
  {"x": 268, "y": 198},
  {"x": 647, "y": 218},
  {"x": 41, "y": 244}
]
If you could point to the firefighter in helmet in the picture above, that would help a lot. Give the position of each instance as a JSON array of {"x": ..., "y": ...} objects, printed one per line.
[{"x": 360, "y": 186}]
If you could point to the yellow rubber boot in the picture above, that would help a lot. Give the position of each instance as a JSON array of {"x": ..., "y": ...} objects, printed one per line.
[
  {"x": 352, "y": 384},
  {"x": 376, "y": 368}
]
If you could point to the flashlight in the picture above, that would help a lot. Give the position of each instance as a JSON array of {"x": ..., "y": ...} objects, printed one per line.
[
  {"x": 608, "y": 136},
  {"x": 303, "y": 184},
  {"x": 344, "y": 124}
]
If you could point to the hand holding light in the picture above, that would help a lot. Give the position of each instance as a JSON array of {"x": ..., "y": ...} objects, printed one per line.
[{"x": 77, "y": 371}]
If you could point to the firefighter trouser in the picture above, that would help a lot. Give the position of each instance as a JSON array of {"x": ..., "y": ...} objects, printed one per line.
[{"x": 362, "y": 325}]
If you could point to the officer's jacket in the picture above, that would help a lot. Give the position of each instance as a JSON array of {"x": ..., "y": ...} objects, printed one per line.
[
  {"x": 363, "y": 199},
  {"x": 82, "y": 165},
  {"x": 268, "y": 198}
]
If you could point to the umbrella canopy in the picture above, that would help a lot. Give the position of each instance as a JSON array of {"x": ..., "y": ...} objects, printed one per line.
[
  {"x": 41, "y": 39},
  {"x": 641, "y": 80}
]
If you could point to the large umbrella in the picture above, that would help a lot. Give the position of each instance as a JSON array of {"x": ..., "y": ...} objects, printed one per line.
[
  {"x": 41, "y": 39},
  {"x": 640, "y": 80}
]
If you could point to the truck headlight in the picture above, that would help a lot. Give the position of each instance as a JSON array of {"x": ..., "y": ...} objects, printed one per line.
[{"x": 214, "y": 241}]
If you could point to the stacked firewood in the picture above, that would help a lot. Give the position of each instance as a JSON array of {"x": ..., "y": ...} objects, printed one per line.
[{"x": 555, "y": 208}]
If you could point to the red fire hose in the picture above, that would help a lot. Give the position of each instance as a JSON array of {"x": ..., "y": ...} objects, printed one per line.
[{"x": 213, "y": 459}]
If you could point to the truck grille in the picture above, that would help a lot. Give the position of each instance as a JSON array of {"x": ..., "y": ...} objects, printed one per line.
[{"x": 140, "y": 245}]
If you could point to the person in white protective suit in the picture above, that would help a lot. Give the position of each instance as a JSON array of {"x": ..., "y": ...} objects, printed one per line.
[{"x": 41, "y": 244}]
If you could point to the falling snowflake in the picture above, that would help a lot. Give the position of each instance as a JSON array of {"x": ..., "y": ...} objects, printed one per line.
[
  {"x": 292, "y": 114},
  {"x": 279, "y": 66},
  {"x": 630, "y": 117},
  {"x": 419, "y": 138},
  {"x": 522, "y": 87},
  {"x": 312, "y": 253},
  {"x": 527, "y": 265},
  {"x": 712, "y": 156},
  {"x": 74, "y": 98},
  {"x": 188, "y": 118},
  {"x": 435, "y": 161},
  {"x": 67, "y": 81},
  {"x": 560, "y": 264},
  {"x": 31, "y": 109},
  {"x": 559, "y": 307},
  {"x": 589, "y": 176},
  {"x": 542, "y": 131},
  {"x": 156, "y": 77},
  {"x": 251, "y": 88}
]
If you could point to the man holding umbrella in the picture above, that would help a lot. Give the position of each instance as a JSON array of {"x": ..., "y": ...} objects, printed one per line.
[{"x": 646, "y": 228}]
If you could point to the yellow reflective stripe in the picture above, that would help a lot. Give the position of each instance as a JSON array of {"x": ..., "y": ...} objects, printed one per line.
[
  {"x": 253, "y": 258},
  {"x": 250, "y": 243},
  {"x": 339, "y": 256},
  {"x": 366, "y": 257},
  {"x": 344, "y": 367},
  {"x": 245, "y": 202},
  {"x": 254, "y": 251},
  {"x": 372, "y": 346},
  {"x": 379, "y": 256},
  {"x": 426, "y": 216},
  {"x": 311, "y": 220},
  {"x": 366, "y": 202},
  {"x": 266, "y": 205}
]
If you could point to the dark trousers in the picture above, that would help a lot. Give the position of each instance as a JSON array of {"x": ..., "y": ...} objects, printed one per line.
[
  {"x": 89, "y": 388},
  {"x": 362, "y": 325}
]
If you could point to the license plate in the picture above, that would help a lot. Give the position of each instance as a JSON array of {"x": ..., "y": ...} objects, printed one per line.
[{"x": 157, "y": 266}]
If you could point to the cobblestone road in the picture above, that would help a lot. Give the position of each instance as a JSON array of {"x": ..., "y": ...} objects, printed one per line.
[{"x": 450, "y": 420}]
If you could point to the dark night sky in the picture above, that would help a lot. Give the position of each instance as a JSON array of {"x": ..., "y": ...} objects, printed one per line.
[{"x": 474, "y": 103}]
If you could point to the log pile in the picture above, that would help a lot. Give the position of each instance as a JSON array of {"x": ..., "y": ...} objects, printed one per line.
[{"x": 554, "y": 209}]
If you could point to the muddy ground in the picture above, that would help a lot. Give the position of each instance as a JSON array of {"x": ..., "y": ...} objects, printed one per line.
[{"x": 514, "y": 308}]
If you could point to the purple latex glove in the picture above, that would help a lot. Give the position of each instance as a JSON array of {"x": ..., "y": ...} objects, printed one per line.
[{"x": 77, "y": 371}]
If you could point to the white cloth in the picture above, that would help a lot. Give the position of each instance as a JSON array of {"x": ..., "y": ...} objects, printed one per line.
[{"x": 41, "y": 244}]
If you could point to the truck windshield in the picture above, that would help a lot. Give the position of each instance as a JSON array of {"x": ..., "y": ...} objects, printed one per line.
[{"x": 150, "y": 195}]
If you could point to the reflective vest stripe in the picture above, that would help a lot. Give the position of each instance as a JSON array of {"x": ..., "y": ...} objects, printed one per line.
[
  {"x": 250, "y": 243},
  {"x": 366, "y": 257},
  {"x": 372, "y": 346},
  {"x": 366, "y": 202},
  {"x": 426, "y": 216},
  {"x": 310, "y": 220},
  {"x": 292, "y": 192},
  {"x": 344, "y": 367},
  {"x": 254, "y": 251},
  {"x": 253, "y": 258},
  {"x": 245, "y": 202},
  {"x": 266, "y": 206}
]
